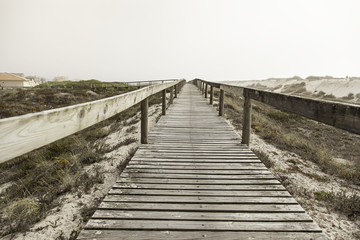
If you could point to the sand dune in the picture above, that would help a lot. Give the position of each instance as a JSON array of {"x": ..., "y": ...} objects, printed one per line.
[{"x": 344, "y": 89}]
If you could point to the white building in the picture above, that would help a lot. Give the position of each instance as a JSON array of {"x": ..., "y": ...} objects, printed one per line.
[{"x": 9, "y": 80}]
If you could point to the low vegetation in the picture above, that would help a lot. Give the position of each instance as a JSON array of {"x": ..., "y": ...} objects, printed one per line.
[
  {"x": 52, "y": 95},
  {"x": 263, "y": 157},
  {"x": 347, "y": 203},
  {"x": 35, "y": 180},
  {"x": 311, "y": 140},
  {"x": 335, "y": 151}
]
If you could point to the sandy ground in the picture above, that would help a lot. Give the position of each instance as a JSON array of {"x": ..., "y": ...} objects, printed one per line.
[
  {"x": 339, "y": 87},
  {"x": 65, "y": 221},
  {"x": 335, "y": 225}
]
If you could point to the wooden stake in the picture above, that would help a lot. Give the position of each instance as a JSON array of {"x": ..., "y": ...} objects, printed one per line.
[
  {"x": 206, "y": 90},
  {"x": 221, "y": 103},
  {"x": 163, "y": 102},
  {"x": 172, "y": 95},
  {"x": 211, "y": 95},
  {"x": 144, "y": 120},
  {"x": 246, "y": 119}
]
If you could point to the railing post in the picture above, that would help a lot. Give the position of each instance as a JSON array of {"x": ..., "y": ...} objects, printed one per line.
[
  {"x": 202, "y": 88},
  {"x": 176, "y": 92},
  {"x": 206, "y": 90},
  {"x": 163, "y": 102},
  {"x": 221, "y": 103},
  {"x": 246, "y": 119},
  {"x": 211, "y": 94},
  {"x": 171, "y": 95},
  {"x": 144, "y": 120}
]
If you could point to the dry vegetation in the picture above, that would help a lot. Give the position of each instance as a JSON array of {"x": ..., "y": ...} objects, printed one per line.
[
  {"x": 299, "y": 89},
  {"x": 331, "y": 148},
  {"x": 54, "y": 95},
  {"x": 30, "y": 185},
  {"x": 318, "y": 152}
]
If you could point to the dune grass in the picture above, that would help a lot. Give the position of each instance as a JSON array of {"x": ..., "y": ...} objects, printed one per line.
[
  {"x": 38, "y": 178},
  {"x": 311, "y": 140}
]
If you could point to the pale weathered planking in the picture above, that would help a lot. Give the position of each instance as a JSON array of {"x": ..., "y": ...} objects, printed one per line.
[
  {"x": 196, "y": 235},
  {"x": 196, "y": 181},
  {"x": 22, "y": 134}
]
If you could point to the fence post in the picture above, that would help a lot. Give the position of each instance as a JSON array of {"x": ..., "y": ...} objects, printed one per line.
[
  {"x": 202, "y": 87},
  {"x": 171, "y": 95},
  {"x": 206, "y": 90},
  {"x": 221, "y": 103},
  {"x": 163, "y": 102},
  {"x": 211, "y": 94},
  {"x": 176, "y": 92},
  {"x": 144, "y": 120},
  {"x": 246, "y": 119}
]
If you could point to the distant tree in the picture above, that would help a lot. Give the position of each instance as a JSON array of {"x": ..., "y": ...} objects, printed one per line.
[
  {"x": 60, "y": 79},
  {"x": 36, "y": 79}
]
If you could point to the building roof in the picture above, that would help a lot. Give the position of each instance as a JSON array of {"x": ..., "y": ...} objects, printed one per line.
[{"x": 11, "y": 77}]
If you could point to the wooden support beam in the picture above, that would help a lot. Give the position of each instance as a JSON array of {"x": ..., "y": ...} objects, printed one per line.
[
  {"x": 171, "y": 95},
  {"x": 246, "y": 119},
  {"x": 206, "y": 90},
  {"x": 202, "y": 88},
  {"x": 221, "y": 103},
  {"x": 211, "y": 95},
  {"x": 144, "y": 120},
  {"x": 176, "y": 91},
  {"x": 163, "y": 105}
]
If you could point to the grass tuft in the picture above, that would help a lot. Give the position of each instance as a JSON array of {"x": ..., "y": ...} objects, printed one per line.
[
  {"x": 345, "y": 202},
  {"x": 263, "y": 157}
]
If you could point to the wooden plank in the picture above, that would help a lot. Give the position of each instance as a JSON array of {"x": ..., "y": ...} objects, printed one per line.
[
  {"x": 196, "y": 171},
  {"x": 199, "y": 199},
  {"x": 219, "y": 166},
  {"x": 181, "y": 192},
  {"x": 194, "y": 176},
  {"x": 266, "y": 181},
  {"x": 195, "y": 235},
  {"x": 21, "y": 134},
  {"x": 187, "y": 160},
  {"x": 222, "y": 187},
  {"x": 203, "y": 207},
  {"x": 242, "y": 159},
  {"x": 204, "y": 225},
  {"x": 167, "y": 156},
  {"x": 207, "y": 216}
]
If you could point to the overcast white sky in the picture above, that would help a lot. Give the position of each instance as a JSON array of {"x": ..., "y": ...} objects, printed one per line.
[{"x": 123, "y": 40}]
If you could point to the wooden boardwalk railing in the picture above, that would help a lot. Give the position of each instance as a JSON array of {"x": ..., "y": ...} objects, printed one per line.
[
  {"x": 194, "y": 180},
  {"x": 339, "y": 115},
  {"x": 22, "y": 134}
]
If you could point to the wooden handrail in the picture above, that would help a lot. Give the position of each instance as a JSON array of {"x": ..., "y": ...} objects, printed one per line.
[
  {"x": 22, "y": 134},
  {"x": 340, "y": 115}
]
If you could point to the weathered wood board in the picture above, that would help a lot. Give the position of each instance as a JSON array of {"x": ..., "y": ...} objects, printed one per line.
[{"x": 196, "y": 181}]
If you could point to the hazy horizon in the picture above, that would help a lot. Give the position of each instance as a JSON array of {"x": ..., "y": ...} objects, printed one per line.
[{"x": 209, "y": 39}]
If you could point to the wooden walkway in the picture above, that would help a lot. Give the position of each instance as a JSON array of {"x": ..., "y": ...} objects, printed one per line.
[{"x": 196, "y": 181}]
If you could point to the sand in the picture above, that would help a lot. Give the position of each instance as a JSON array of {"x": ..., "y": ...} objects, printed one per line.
[
  {"x": 334, "y": 224},
  {"x": 65, "y": 221},
  {"x": 339, "y": 87}
]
